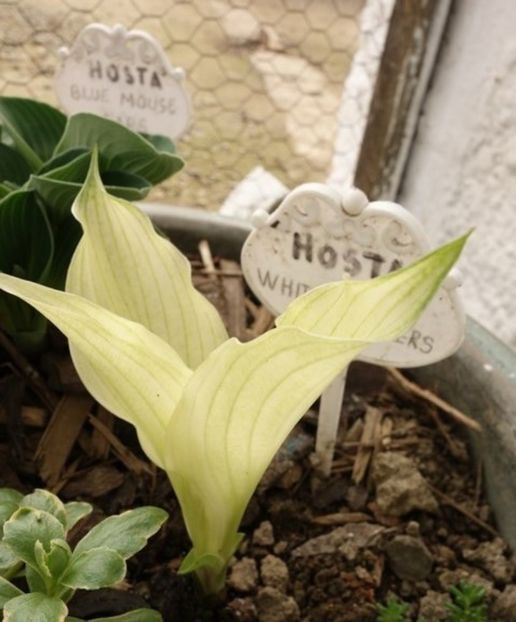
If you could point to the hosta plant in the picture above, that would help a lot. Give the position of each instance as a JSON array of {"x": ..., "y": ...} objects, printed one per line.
[
  {"x": 44, "y": 158},
  {"x": 209, "y": 410},
  {"x": 33, "y": 545}
]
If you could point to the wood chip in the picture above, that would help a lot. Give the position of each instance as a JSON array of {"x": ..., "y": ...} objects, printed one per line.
[
  {"x": 235, "y": 302},
  {"x": 31, "y": 416},
  {"x": 429, "y": 396},
  {"x": 100, "y": 444},
  {"x": 372, "y": 432},
  {"x": 60, "y": 435},
  {"x": 95, "y": 482},
  {"x": 126, "y": 456},
  {"x": 445, "y": 499},
  {"x": 341, "y": 518},
  {"x": 264, "y": 320}
]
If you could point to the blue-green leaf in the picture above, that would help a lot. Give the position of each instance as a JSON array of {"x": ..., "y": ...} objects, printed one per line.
[
  {"x": 120, "y": 149},
  {"x": 75, "y": 511},
  {"x": 35, "y": 608},
  {"x": 7, "y": 591},
  {"x": 93, "y": 569},
  {"x": 126, "y": 533},
  {"x": 34, "y": 127},
  {"x": 25, "y": 527}
]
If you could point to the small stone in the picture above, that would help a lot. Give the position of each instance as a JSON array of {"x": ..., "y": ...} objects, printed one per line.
[
  {"x": 409, "y": 558},
  {"x": 243, "y": 609},
  {"x": 264, "y": 534},
  {"x": 490, "y": 556},
  {"x": 400, "y": 487},
  {"x": 448, "y": 578},
  {"x": 504, "y": 608},
  {"x": 280, "y": 547},
  {"x": 413, "y": 529},
  {"x": 274, "y": 606},
  {"x": 348, "y": 540},
  {"x": 433, "y": 606},
  {"x": 274, "y": 572},
  {"x": 244, "y": 575}
]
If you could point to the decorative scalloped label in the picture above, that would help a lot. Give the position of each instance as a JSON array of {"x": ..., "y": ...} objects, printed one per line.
[
  {"x": 125, "y": 76},
  {"x": 311, "y": 239}
]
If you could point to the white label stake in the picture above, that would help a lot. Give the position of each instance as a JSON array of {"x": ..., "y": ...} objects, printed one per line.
[
  {"x": 316, "y": 236},
  {"x": 126, "y": 76}
]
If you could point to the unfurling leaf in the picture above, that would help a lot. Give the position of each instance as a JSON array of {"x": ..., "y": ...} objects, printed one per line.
[{"x": 139, "y": 275}]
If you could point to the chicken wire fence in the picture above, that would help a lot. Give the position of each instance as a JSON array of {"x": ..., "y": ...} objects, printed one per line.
[{"x": 266, "y": 79}]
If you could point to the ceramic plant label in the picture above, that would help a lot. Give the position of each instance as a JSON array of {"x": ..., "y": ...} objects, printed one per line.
[
  {"x": 125, "y": 76},
  {"x": 316, "y": 236}
]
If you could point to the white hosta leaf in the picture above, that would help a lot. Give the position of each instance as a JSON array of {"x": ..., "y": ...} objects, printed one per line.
[
  {"x": 373, "y": 309},
  {"x": 132, "y": 372},
  {"x": 122, "y": 264},
  {"x": 241, "y": 403},
  {"x": 235, "y": 413}
]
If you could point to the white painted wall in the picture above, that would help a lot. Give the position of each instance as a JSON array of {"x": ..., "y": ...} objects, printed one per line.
[{"x": 462, "y": 168}]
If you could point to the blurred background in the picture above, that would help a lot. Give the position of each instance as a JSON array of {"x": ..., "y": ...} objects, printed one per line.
[{"x": 411, "y": 100}]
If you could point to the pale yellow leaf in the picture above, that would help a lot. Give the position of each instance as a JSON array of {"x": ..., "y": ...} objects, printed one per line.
[
  {"x": 132, "y": 372},
  {"x": 122, "y": 264}
]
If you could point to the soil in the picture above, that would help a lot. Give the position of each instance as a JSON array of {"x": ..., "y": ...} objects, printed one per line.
[{"x": 402, "y": 514}]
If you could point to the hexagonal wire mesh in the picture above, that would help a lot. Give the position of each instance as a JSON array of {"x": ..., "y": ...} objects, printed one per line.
[{"x": 265, "y": 77}]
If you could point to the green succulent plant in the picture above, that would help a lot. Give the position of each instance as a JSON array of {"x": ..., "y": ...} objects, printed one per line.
[
  {"x": 44, "y": 158},
  {"x": 33, "y": 545}
]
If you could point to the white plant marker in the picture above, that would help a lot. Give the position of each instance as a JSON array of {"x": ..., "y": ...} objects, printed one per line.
[
  {"x": 126, "y": 76},
  {"x": 316, "y": 236}
]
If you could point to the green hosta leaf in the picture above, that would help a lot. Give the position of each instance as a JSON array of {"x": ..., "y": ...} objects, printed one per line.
[
  {"x": 5, "y": 189},
  {"x": 25, "y": 527},
  {"x": 26, "y": 241},
  {"x": 241, "y": 403},
  {"x": 7, "y": 591},
  {"x": 13, "y": 167},
  {"x": 138, "y": 615},
  {"x": 9, "y": 503},
  {"x": 66, "y": 237},
  {"x": 36, "y": 608},
  {"x": 126, "y": 185},
  {"x": 126, "y": 533},
  {"x": 120, "y": 148},
  {"x": 63, "y": 158},
  {"x": 75, "y": 511},
  {"x": 60, "y": 186},
  {"x": 124, "y": 265},
  {"x": 94, "y": 569},
  {"x": 34, "y": 127},
  {"x": 129, "y": 370},
  {"x": 47, "y": 502},
  {"x": 26, "y": 250}
]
